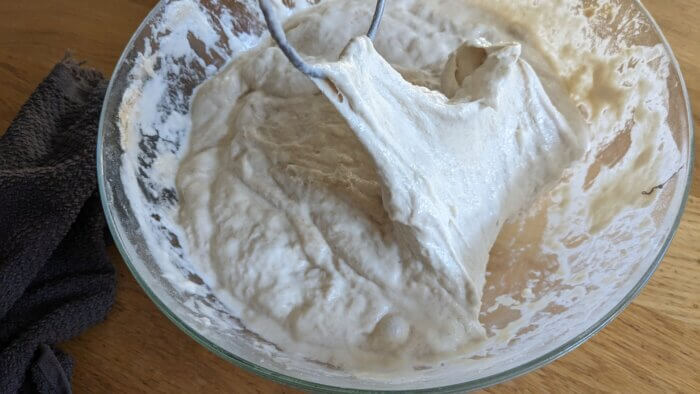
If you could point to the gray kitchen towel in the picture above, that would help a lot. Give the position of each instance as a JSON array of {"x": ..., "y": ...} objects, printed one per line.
[{"x": 55, "y": 279}]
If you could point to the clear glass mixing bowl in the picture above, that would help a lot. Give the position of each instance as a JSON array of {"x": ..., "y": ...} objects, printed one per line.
[{"x": 185, "y": 299}]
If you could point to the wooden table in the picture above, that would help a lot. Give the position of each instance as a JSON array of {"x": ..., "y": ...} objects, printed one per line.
[{"x": 653, "y": 346}]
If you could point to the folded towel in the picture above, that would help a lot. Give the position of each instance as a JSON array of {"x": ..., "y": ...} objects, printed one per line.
[{"x": 55, "y": 279}]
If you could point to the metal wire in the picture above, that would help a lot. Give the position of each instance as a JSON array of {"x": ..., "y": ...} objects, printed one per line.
[
  {"x": 376, "y": 19},
  {"x": 277, "y": 33}
]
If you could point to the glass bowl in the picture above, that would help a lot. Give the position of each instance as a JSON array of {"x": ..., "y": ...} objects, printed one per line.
[{"x": 140, "y": 203}]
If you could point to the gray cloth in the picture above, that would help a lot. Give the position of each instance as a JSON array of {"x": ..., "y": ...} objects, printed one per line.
[{"x": 55, "y": 279}]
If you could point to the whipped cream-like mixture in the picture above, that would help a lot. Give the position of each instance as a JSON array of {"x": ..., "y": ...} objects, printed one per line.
[
  {"x": 557, "y": 269},
  {"x": 349, "y": 219}
]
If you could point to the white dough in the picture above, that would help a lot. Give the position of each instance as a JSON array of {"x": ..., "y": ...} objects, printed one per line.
[{"x": 354, "y": 228}]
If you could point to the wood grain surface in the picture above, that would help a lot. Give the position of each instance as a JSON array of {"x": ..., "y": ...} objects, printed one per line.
[{"x": 653, "y": 346}]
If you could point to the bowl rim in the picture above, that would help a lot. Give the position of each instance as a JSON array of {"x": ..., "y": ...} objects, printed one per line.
[{"x": 475, "y": 384}]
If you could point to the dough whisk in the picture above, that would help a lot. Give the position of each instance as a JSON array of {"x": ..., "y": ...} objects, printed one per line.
[{"x": 277, "y": 33}]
